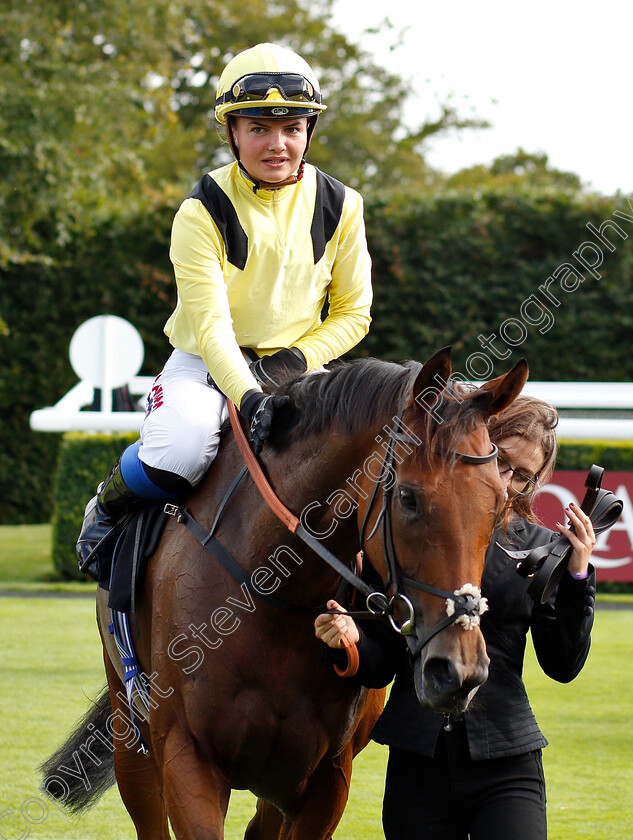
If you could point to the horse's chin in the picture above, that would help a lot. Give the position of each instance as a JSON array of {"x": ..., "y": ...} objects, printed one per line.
[{"x": 448, "y": 702}]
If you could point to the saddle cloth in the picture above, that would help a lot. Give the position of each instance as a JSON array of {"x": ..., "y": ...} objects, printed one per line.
[{"x": 136, "y": 542}]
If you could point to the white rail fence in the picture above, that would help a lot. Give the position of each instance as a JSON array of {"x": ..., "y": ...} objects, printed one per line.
[
  {"x": 601, "y": 399},
  {"x": 106, "y": 352}
]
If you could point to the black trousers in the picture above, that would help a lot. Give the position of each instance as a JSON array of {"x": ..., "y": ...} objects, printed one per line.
[{"x": 450, "y": 797}]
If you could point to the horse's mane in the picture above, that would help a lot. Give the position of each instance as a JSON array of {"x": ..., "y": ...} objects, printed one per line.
[
  {"x": 347, "y": 398},
  {"x": 353, "y": 396}
]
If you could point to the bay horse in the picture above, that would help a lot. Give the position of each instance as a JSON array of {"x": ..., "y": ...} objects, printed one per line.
[{"x": 371, "y": 455}]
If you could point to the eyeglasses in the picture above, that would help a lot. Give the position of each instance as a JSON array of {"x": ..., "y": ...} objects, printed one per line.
[
  {"x": 521, "y": 484},
  {"x": 292, "y": 86}
]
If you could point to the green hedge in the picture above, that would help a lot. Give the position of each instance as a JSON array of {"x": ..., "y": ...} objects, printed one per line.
[
  {"x": 122, "y": 270},
  {"x": 447, "y": 269},
  {"x": 450, "y": 268},
  {"x": 581, "y": 454},
  {"x": 84, "y": 461}
]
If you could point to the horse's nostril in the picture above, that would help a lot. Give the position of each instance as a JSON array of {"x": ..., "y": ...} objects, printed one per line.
[{"x": 442, "y": 675}]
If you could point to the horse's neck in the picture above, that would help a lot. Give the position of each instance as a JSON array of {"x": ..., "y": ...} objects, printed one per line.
[
  {"x": 319, "y": 481},
  {"x": 311, "y": 472}
]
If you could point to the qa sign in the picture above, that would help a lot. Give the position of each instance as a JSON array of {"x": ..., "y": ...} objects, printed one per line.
[{"x": 613, "y": 552}]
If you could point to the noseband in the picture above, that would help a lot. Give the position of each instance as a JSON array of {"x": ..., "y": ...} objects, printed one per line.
[{"x": 463, "y": 606}]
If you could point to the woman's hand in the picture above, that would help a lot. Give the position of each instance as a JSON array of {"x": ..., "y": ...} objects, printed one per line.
[
  {"x": 583, "y": 540},
  {"x": 331, "y": 629}
]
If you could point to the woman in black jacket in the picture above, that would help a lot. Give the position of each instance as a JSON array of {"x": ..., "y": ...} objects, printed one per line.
[{"x": 480, "y": 776}]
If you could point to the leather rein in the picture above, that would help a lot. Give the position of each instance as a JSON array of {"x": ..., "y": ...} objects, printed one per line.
[
  {"x": 463, "y": 606},
  {"x": 468, "y": 604}
]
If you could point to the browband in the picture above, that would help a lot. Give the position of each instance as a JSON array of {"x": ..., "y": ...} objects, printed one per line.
[{"x": 401, "y": 437}]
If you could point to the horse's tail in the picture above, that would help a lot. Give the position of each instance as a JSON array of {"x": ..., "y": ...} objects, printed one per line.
[{"x": 82, "y": 768}]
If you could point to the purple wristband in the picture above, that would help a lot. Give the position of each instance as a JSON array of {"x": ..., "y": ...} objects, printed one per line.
[{"x": 580, "y": 575}]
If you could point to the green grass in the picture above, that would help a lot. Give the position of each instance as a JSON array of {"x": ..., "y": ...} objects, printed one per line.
[
  {"x": 26, "y": 564},
  {"x": 588, "y": 765},
  {"x": 50, "y": 662},
  {"x": 25, "y": 553}
]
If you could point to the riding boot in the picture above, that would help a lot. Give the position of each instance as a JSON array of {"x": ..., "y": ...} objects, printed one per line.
[{"x": 114, "y": 498}]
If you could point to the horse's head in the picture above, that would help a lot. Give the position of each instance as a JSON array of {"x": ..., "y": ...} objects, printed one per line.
[
  {"x": 428, "y": 520},
  {"x": 427, "y": 497}
]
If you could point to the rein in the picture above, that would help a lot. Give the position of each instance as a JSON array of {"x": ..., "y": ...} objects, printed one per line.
[
  {"x": 463, "y": 606},
  {"x": 288, "y": 518},
  {"x": 215, "y": 547}
]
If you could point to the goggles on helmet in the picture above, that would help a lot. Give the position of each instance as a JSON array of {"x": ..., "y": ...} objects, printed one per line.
[{"x": 255, "y": 86}]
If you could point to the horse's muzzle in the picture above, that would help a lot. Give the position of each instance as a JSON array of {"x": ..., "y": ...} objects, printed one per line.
[{"x": 447, "y": 682}]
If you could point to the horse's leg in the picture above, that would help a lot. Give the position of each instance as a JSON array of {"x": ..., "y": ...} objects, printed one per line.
[
  {"x": 196, "y": 792},
  {"x": 266, "y": 824},
  {"x": 374, "y": 704},
  {"x": 137, "y": 775},
  {"x": 321, "y": 808},
  {"x": 324, "y": 801},
  {"x": 327, "y": 790}
]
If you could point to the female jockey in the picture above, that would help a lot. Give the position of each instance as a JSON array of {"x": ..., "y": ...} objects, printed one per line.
[{"x": 258, "y": 248}]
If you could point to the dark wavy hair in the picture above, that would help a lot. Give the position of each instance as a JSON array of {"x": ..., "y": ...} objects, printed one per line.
[{"x": 535, "y": 421}]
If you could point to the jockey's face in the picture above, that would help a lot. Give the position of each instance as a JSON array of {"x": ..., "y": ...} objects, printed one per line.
[{"x": 270, "y": 150}]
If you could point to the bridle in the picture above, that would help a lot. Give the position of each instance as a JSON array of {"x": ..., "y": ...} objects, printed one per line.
[{"x": 463, "y": 606}]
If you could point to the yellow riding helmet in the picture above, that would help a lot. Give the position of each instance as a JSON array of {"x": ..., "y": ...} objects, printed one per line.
[{"x": 268, "y": 81}]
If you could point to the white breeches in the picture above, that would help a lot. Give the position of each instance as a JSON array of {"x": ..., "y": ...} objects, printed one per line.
[{"x": 181, "y": 430}]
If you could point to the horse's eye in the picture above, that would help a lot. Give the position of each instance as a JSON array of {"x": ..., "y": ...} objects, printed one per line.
[{"x": 407, "y": 499}]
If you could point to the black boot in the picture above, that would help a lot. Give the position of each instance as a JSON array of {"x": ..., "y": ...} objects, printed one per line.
[{"x": 114, "y": 498}]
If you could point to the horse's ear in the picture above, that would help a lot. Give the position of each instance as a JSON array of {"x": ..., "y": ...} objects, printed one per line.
[
  {"x": 505, "y": 389},
  {"x": 431, "y": 380}
]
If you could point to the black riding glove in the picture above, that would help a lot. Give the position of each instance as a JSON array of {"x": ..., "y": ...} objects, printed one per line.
[
  {"x": 258, "y": 410},
  {"x": 271, "y": 371}
]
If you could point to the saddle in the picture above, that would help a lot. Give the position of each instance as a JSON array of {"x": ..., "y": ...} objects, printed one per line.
[{"x": 137, "y": 540}]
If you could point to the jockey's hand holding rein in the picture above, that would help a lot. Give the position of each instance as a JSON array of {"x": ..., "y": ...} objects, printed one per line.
[
  {"x": 258, "y": 409},
  {"x": 582, "y": 539},
  {"x": 331, "y": 629}
]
